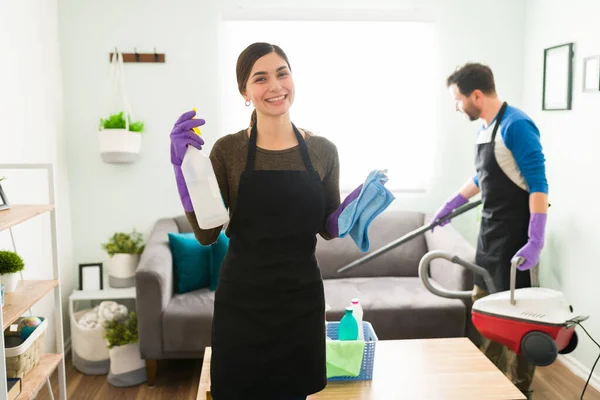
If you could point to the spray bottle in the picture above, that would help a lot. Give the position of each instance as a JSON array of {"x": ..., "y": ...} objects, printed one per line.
[{"x": 203, "y": 188}]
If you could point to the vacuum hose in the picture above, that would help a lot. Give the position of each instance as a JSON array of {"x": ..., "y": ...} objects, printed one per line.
[
  {"x": 438, "y": 290},
  {"x": 409, "y": 236}
]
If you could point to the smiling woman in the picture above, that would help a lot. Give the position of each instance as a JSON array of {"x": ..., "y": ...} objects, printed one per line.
[{"x": 280, "y": 184}]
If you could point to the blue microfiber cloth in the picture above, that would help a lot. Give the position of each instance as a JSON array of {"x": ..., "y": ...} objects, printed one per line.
[
  {"x": 373, "y": 199},
  {"x": 344, "y": 357}
]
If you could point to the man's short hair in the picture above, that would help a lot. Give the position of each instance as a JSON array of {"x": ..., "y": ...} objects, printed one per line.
[{"x": 473, "y": 76}]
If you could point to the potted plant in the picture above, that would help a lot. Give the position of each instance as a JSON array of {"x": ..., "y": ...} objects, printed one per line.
[
  {"x": 126, "y": 365},
  {"x": 124, "y": 250},
  {"x": 10, "y": 266},
  {"x": 120, "y": 138}
]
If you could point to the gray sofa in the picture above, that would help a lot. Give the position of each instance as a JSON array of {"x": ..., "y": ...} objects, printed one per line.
[{"x": 393, "y": 298}]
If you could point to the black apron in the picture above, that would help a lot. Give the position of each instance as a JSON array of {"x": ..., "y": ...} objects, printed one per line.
[
  {"x": 268, "y": 337},
  {"x": 504, "y": 219}
]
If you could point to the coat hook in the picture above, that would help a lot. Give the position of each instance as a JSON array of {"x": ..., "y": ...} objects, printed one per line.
[
  {"x": 137, "y": 56},
  {"x": 155, "y": 55}
]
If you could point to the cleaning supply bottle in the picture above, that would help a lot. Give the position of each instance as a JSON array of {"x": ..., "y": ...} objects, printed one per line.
[
  {"x": 357, "y": 312},
  {"x": 348, "y": 328},
  {"x": 203, "y": 188}
]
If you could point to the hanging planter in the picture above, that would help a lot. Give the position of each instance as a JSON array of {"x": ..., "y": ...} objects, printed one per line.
[
  {"x": 119, "y": 138},
  {"x": 120, "y": 141}
]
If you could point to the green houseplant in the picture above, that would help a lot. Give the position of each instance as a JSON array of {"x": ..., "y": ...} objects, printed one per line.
[
  {"x": 120, "y": 333},
  {"x": 124, "y": 250},
  {"x": 10, "y": 266},
  {"x": 124, "y": 243},
  {"x": 120, "y": 138},
  {"x": 126, "y": 365},
  {"x": 117, "y": 121}
]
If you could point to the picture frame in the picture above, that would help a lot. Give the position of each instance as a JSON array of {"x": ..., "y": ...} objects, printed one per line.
[
  {"x": 91, "y": 276},
  {"x": 558, "y": 78},
  {"x": 4, "y": 203},
  {"x": 591, "y": 74}
]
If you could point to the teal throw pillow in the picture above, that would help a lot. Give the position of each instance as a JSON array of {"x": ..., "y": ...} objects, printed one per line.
[
  {"x": 219, "y": 249},
  {"x": 191, "y": 262}
]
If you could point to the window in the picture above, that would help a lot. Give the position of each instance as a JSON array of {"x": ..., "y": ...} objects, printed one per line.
[{"x": 372, "y": 88}]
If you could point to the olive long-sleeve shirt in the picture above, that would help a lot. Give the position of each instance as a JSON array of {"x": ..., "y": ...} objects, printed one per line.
[{"x": 229, "y": 156}]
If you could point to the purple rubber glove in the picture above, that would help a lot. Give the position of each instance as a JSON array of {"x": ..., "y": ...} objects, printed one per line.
[
  {"x": 447, "y": 208},
  {"x": 332, "y": 221},
  {"x": 532, "y": 250},
  {"x": 183, "y": 136}
]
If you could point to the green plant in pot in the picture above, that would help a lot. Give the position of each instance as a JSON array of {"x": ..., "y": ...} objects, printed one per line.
[
  {"x": 117, "y": 121},
  {"x": 120, "y": 138},
  {"x": 124, "y": 250},
  {"x": 126, "y": 365},
  {"x": 10, "y": 266}
]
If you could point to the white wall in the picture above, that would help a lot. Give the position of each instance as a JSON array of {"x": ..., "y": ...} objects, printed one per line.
[
  {"x": 571, "y": 140},
  {"x": 108, "y": 198},
  {"x": 31, "y": 130}
]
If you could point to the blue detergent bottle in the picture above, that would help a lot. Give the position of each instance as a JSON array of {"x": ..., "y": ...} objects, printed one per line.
[{"x": 348, "y": 328}]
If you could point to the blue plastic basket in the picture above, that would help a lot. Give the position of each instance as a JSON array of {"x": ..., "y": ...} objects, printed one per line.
[{"x": 366, "y": 368}]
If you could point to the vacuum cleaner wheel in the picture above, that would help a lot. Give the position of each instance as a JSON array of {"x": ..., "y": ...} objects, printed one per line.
[
  {"x": 539, "y": 348},
  {"x": 572, "y": 344}
]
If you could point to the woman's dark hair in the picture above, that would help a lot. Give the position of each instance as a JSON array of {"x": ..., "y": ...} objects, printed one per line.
[
  {"x": 246, "y": 61},
  {"x": 473, "y": 76}
]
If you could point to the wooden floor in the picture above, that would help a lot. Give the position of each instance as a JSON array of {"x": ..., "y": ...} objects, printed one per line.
[{"x": 178, "y": 379}]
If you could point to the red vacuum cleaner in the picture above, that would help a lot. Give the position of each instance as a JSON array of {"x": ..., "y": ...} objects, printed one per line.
[{"x": 536, "y": 322}]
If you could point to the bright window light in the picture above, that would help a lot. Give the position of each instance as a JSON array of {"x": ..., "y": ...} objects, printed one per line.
[{"x": 370, "y": 87}]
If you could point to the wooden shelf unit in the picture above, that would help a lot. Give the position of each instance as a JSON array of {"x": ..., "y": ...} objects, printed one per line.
[
  {"x": 29, "y": 292},
  {"x": 36, "y": 378},
  {"x": 20, "y": 213}
]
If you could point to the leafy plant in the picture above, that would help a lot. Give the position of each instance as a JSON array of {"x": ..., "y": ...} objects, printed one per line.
[
  {"x": 3, "y": 178},
  {"x": 124, "y": 243},
  {"x": 10, "y": 262},
  {"x": 120, "y": 333},
  {"x": 117, "y": 121}
]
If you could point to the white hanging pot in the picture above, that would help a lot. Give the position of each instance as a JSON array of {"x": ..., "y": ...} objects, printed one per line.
[
  {"x": 119, "y": 146},
  {"x": 121, "y": 270},
  {"x": 126, "y": 366},
  {"x": 10, "y": 282}
]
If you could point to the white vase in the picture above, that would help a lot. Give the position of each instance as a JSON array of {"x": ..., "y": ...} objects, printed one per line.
[
  {"x": 126, "y": 366},
  {"x": 121, "y": 270},
  {"x": 10, "y": 282},
  {"x": 119, "y": 146}
]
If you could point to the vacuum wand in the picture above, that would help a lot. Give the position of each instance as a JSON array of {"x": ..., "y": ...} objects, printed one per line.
[{"x": 410, "y": 236}]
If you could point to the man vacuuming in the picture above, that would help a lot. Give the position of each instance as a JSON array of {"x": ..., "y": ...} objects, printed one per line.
[{"x": 511, "y": 177}]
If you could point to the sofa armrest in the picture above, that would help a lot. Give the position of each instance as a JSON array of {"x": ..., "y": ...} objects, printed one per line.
[
  {"x": 448, "y": 274},
  {"x": 154, "y": 287}
]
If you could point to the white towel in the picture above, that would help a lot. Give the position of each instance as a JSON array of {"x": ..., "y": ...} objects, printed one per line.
[{"x": 105, "y": 311}]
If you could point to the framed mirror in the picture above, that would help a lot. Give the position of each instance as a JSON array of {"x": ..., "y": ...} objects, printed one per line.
[
  {"x": 591, "y": 74},
  {"x": 558, "y": 77}
]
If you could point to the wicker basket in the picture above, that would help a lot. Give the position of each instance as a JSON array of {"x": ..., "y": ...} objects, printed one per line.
[{"x": 20, "y": 360}]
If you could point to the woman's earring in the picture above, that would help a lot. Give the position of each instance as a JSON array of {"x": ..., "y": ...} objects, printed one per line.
[{"x": 247, "y": 103}]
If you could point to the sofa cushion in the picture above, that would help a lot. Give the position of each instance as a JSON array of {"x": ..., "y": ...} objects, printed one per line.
[
  {"x": 387, "y": 227},
  {"x": 398, "y": 308},
  {"x": 187, "y": 321},
  {"x": 191, "y": 262}
]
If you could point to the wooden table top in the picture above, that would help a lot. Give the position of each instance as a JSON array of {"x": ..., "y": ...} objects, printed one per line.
[{"x": 444, "y": 369}]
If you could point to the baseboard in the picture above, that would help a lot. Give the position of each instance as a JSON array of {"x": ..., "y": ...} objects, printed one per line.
[{"x": 581, "y": 370}]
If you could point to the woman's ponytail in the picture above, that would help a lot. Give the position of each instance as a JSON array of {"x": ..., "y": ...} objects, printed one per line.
[{"x": 253, "y": 118}]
